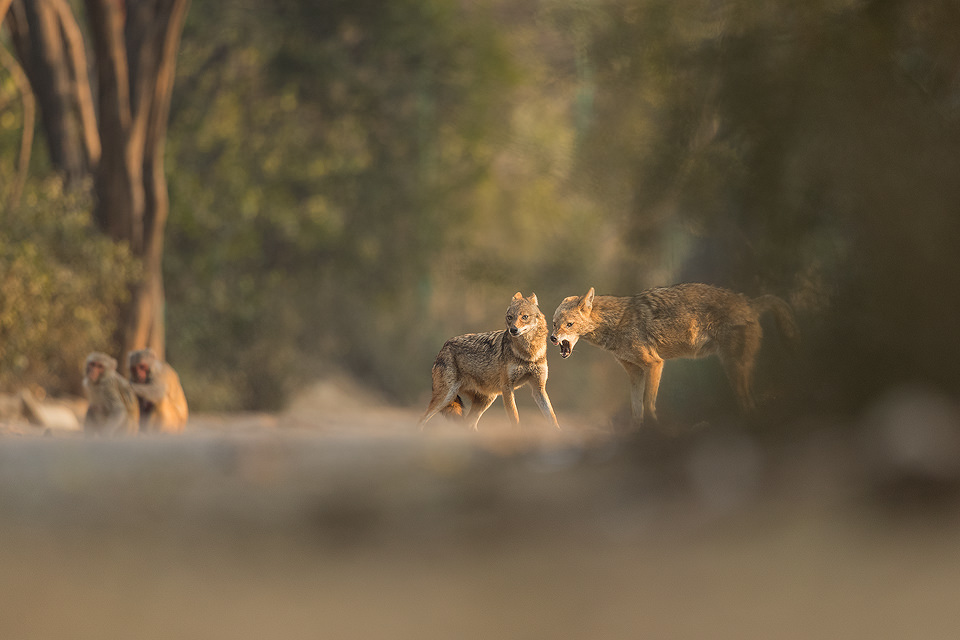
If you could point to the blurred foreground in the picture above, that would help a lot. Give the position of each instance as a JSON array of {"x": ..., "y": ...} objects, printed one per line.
[{"x": 339, "y": 519}]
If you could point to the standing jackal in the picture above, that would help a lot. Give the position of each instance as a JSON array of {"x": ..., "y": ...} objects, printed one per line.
[
  {"x": 482, "y": 366},
  {"x": 682, "y": 321}
]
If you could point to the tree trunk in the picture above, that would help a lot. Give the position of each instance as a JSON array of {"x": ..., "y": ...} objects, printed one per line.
[
  {"x": 83, "y": 94},
  {"x": 48, "y": 65},
  {"x": 135, "y": 44},
  {"x": 155, "y": 27},
  {"x": 136, "y": 57},
  {"x": 117, "y": 182}
]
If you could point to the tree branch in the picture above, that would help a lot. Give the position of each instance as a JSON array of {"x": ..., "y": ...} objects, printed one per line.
[
  {"x": 82, "y": 94},
  {"x": 47, "y": 70},
  {"x": 119, "y": 183},
  {"x": 4, "y": 7},
  {"x": 162, "y": 24},
  {"x": 29, "y": 117}
]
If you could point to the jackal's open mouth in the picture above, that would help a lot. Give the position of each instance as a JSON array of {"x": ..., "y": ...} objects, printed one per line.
[{"x": 565, "y": 348}]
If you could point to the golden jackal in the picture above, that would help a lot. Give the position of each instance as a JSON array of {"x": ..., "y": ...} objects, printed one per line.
[
  {"x": 682, "y": 321},
  {"x": 482, "y": 366}
]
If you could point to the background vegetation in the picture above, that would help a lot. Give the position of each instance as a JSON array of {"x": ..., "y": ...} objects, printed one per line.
[{"x": 353, "y": 182}]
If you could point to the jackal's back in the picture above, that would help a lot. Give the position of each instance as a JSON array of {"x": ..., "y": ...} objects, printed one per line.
[
  {"x": 475, "y": 358},
  {"x": 473, "y": 351},
  {"x": 686, "y": 319},
  {"x": 684, "y": 300}
]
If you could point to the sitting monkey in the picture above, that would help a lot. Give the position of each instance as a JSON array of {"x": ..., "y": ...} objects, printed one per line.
[
  {"x": 113, "y": 406},
  {"x": 163, "y": 407}
]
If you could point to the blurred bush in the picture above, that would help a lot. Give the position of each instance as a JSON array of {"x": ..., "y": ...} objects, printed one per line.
[
  {"x": 61, "y": 283},
  {"x": 351, "y": 184},
  {"x": 801, "y": 149}
]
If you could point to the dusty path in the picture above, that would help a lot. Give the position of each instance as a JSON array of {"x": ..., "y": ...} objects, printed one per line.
[{"x": 352, "y": 524}]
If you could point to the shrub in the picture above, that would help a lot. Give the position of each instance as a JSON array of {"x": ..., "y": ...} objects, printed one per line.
[{"x": 62, "y": 283}]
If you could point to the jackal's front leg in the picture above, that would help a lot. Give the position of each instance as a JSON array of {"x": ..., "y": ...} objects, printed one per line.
[
  {"x": 637, "y": 392},
  {"x": 539, "y": 390},
  {"x": 510, "y": 405}
]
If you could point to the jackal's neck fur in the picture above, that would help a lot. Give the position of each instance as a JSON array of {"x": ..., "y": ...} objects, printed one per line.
[
  {"x": 602, "y": 322},
  {"x": 532, "y": 345}
]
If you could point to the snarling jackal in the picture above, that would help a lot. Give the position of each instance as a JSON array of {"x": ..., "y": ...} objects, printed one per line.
[
  {"x": 482, "y": 366},
  {"x": 681, "y": 321}
]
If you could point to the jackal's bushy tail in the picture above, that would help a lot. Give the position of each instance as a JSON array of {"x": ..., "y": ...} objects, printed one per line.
[{"x": 782, "y": 314}]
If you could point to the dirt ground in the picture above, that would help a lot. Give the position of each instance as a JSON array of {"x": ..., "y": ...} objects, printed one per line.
[{"x": 339, "y": 519}]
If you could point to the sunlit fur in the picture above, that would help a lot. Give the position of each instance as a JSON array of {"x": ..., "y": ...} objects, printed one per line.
[
  {"x": 482, "y": 366},
  {"x": 681, "y": 321}
]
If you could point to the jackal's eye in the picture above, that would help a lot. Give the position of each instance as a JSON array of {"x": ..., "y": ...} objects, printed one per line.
[
  {"x": 525, "y": 318},
  {"x": 569, "y": 324},
  {"x": 509, "y": 318}
]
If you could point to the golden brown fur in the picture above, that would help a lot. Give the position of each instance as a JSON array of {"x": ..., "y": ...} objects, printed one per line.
[
  {"x": 681, "y": 321},
  {"x": 113, "y": 407},
  {"x": 163, "y": 406},
  {"x": 482, "y": 366}
]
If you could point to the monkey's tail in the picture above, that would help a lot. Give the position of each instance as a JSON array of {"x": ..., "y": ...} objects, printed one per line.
[
  {"x": 782, "y": 315},
  {"x": 454, "y": 409}
]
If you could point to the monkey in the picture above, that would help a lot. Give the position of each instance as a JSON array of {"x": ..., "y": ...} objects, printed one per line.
[
  {"x": 113, "y": 408},
  {"x": 163, "y": 407}
]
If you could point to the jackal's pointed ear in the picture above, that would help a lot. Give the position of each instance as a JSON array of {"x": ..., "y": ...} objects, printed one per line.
[
  {"x": 586, "y": 302},
  {"x": 518, "y": 296},
  {"x": 533, "y": 299}
]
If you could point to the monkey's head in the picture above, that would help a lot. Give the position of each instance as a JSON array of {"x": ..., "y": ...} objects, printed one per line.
[
  {"x": 141, "y": 365},
  {"x": 97, "y": 364}
]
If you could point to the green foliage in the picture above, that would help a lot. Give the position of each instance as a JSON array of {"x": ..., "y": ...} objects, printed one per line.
[
  {"x": 340, "y": 174},
  {"x": 354, "y": 182},
  {"x": 61, "y": 284}
]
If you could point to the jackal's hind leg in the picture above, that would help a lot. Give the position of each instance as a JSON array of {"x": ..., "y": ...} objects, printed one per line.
[
  {"x": 738, "y": 353},
  {"x": 479, "y": 403},
  {"x": 438, "y": 402}
]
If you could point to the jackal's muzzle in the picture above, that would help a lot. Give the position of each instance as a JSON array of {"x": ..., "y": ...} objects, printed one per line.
[{"x": 565, "y": 342}]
